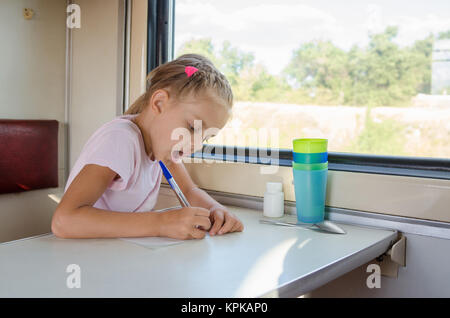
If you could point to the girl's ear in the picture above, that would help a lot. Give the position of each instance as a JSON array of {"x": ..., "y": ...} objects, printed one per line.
[{"x": 159, "y": 100}]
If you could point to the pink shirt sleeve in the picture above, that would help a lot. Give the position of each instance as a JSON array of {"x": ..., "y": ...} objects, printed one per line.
[{"x": 116, "y": 150}]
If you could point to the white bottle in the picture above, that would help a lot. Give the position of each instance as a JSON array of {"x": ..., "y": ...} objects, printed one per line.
[{"x": 274, "y": 200}]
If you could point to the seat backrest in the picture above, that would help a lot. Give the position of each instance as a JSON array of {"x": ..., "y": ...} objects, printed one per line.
[{"x": 28, "y": 155}]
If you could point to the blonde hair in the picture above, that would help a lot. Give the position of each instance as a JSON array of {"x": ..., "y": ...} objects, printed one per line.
[{"x": 172, "y": 76}]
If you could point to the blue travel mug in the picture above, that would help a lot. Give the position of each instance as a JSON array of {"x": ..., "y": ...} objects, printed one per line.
[{"x": 310, "y": 184}]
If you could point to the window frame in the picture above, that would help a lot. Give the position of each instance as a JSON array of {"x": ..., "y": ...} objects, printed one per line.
[
  {"x": 160, "y": 49},
  {"x": 338, "y": 161},
  {"x": 160, "y": 32}
]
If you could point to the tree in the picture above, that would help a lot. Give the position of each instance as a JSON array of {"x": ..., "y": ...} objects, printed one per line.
[
  {"x": 382, "y": 73},
  {"x": 444, "y": 35},
  {"x": 202, "y": 46},
  {"x": 233, "y": 61},
  {"x": 318, "y": 64},
  {"x": 248, "y": 81},
  {"x": 420, "y": 63},
  {"x": 255, "y": 83}
]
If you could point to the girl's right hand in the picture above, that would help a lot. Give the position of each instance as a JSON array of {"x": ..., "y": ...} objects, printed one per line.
[{"x": 185, "y": 223}]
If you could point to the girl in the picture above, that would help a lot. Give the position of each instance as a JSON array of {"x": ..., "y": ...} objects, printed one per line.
[{"x": 118, "y": 169}]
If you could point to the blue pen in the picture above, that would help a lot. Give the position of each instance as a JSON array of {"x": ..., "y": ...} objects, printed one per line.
[{"x": 173, "y": 184}]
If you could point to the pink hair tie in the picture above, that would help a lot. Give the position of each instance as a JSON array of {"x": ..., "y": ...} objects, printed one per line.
[{"x": 189, "y": 70}]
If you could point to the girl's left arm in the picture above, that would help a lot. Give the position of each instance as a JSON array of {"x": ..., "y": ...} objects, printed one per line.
[{"x": 222, "y": 220}]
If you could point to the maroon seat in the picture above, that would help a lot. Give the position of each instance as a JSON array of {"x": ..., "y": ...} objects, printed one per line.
[{"x": 28, "y": 155}]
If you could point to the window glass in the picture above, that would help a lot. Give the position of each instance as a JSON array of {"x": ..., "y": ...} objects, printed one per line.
[{"x": 370, "y": 76}]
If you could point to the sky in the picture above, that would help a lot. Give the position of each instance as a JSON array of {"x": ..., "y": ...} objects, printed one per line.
[{"x": 273, "y": 29}]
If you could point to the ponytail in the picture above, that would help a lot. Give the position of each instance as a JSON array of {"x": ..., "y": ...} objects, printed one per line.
[{"x": 138, "y": 106}]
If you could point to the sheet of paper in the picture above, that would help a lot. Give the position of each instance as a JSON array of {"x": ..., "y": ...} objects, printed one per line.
[{"x": 152, "y": 242}]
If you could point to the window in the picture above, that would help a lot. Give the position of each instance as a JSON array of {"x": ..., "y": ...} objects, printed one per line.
[
  {"x": 384, "y": 186},
  {"x": 373, "y": 77}
]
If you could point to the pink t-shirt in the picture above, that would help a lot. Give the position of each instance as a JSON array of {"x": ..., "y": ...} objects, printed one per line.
[{"x": 119, "y": 145}]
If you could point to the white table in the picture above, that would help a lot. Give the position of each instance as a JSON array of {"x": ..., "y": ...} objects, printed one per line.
[{"x": 264, "y": 260}]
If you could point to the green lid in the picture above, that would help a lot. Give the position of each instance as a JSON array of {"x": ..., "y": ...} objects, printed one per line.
[
  {"x": 310, "y": 166},
  {"x": 310, "y": 145}
]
